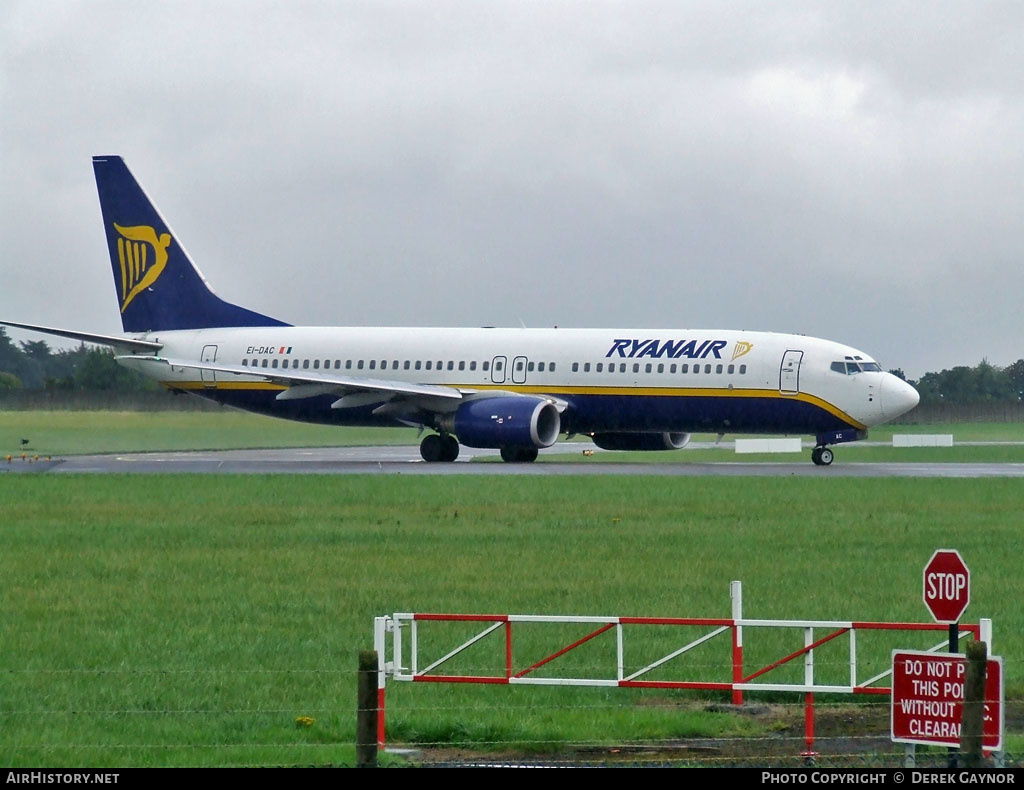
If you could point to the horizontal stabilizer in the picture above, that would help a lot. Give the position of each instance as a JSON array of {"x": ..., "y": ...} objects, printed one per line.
[{"x": 127, "y": 343}]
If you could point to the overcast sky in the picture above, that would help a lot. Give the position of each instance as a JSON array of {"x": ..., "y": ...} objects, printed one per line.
[{"x": 846, "y": 170}]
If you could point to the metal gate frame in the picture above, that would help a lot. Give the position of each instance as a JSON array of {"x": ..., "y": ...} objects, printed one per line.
[{"x": 741, "y": 681}]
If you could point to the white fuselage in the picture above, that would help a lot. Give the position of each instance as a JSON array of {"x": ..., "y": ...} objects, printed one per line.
[{"x": 615, "y": 380}]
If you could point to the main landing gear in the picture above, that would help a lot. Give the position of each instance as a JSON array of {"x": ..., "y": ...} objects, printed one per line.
[
  {"x": 821, "y": 456},
  {"x": 444, "y": 448},
  {"x": 435, "y": 448}
]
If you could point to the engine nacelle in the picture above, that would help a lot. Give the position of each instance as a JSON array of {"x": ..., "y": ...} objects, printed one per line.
[
  {"x": 641, "y": 441},
  {"x": 505, "y": 422}
]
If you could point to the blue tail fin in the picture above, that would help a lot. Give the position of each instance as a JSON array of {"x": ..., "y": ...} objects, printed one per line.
[{"x": 158, "y": 286}]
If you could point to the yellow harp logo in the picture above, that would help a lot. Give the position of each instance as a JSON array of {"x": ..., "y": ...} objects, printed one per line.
[
  {"x": 143, "y": 256},
  {"x": 741, "y": 348}
]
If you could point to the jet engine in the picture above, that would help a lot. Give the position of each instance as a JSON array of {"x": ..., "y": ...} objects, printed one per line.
[{"x": 506, "y": 421}]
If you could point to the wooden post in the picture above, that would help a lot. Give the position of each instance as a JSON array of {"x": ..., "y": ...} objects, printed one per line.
[
  {"x": 366, "y": 711},
  {"x": 972, "y": 720}
]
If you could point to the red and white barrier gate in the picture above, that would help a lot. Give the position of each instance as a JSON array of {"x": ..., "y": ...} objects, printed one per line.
[{"x": 407, "y": 664}]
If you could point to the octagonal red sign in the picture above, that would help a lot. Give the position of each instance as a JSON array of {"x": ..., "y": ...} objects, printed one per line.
[{"x": 947, "y": 586}]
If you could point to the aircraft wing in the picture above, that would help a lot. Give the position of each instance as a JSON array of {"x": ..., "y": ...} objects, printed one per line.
[
  {"x": 128, "y": 343},
  {"x": 306, "y": 384}
]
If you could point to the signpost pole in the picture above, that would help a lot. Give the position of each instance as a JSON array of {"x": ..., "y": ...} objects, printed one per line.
[{"x": 954, "y": 647}]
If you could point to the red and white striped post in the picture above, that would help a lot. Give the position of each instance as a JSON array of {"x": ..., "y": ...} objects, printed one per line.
[
  {"x": 736, "y": 595},
  {"x": 380, "y": 625}
]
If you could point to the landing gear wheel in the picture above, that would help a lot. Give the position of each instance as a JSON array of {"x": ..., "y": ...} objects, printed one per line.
[
  {"x": 821, "y": 456},
  {"x": 450, "y": 448},
  {"x": 518, "y": 455},
  {"x": 432, "y": 448}
]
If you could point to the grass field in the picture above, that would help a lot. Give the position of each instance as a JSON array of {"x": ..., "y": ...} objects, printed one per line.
[
  {"x": 87, "y": 432},
  {"x": 191, "y": 620},
  {"x": 73, "y": 433}
]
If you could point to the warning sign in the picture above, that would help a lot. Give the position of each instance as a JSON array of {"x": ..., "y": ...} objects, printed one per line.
[{"x": 928, "y": 695}]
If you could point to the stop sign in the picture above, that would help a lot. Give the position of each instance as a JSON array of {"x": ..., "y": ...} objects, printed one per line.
[{"x": 947, "y": 586}]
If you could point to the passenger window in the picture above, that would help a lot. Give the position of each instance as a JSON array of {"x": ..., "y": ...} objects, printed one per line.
[
  {"x": 429, "y": 363},
  {"x": 348, "y": 364},
  {"x": 743, "y": 369},
  {"x": 622, "y": 367},
  {"x": 418, "y": 364},
  {"x": 359, "y": 364},
  {"x": 647, "y": 368},
  {"x": 406, "y": 365},
  {"x": 551, "y": 368},
  {"x": 707, "y": 368},
  {"x": 529, "y": 367},
  {"x": 661, "y": 368},
  {"x": 327, "y": 364},
  {"x": 600, "y": 366},
  {"x": 245, "y": 363},
  {"x": 575, "y": 367},
  {"x": 472, "y": 364},
  {"x": 462, "y": 365},
  {"x": 685, "y": 368},
  {"x": 519, "y": 366},
  {"x": 486, "y": 366},
  {"x": 672, "y": 368},
  {"x": 451, "y": 365},
  {"x": 273, "y": 364},
  {"x": 718, "y": 368},
  {"x": 373, "y": 364},
  {"x": 731, "y": 369},
  {"x": 305, "y": 364},
  {"x": 586, "y": 367},
  {"x": 540, "y": 367}
]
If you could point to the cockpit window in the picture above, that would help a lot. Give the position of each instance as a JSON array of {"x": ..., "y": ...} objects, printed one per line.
[{"x": 849, "y": 367}]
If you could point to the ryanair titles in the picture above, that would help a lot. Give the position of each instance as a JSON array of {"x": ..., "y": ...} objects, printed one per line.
[{"x": 669, "y": 349}]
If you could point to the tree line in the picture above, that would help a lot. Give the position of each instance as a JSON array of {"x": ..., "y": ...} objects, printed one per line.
[{"x": 33, "y": 365}]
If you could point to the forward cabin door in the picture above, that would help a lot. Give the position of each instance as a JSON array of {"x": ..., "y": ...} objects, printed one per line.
[
  {"x": 208, "y": 376},
  {"x": 789, "y": 373}
]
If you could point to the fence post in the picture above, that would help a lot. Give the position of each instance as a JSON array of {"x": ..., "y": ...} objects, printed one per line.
[
  {"x": 366, "y": 711},
  {"x": 736, "y": 594},
  {"x": 972, "y": 718}
]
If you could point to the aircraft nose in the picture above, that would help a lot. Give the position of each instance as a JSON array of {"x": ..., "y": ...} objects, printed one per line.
[{"x": 898, "y": 397}]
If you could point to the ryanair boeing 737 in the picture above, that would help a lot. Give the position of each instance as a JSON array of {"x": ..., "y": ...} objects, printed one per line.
[{"x": 512, "y": 389}]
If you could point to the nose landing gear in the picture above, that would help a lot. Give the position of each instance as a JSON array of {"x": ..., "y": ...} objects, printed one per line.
[{"x": 821, "y": 456}]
